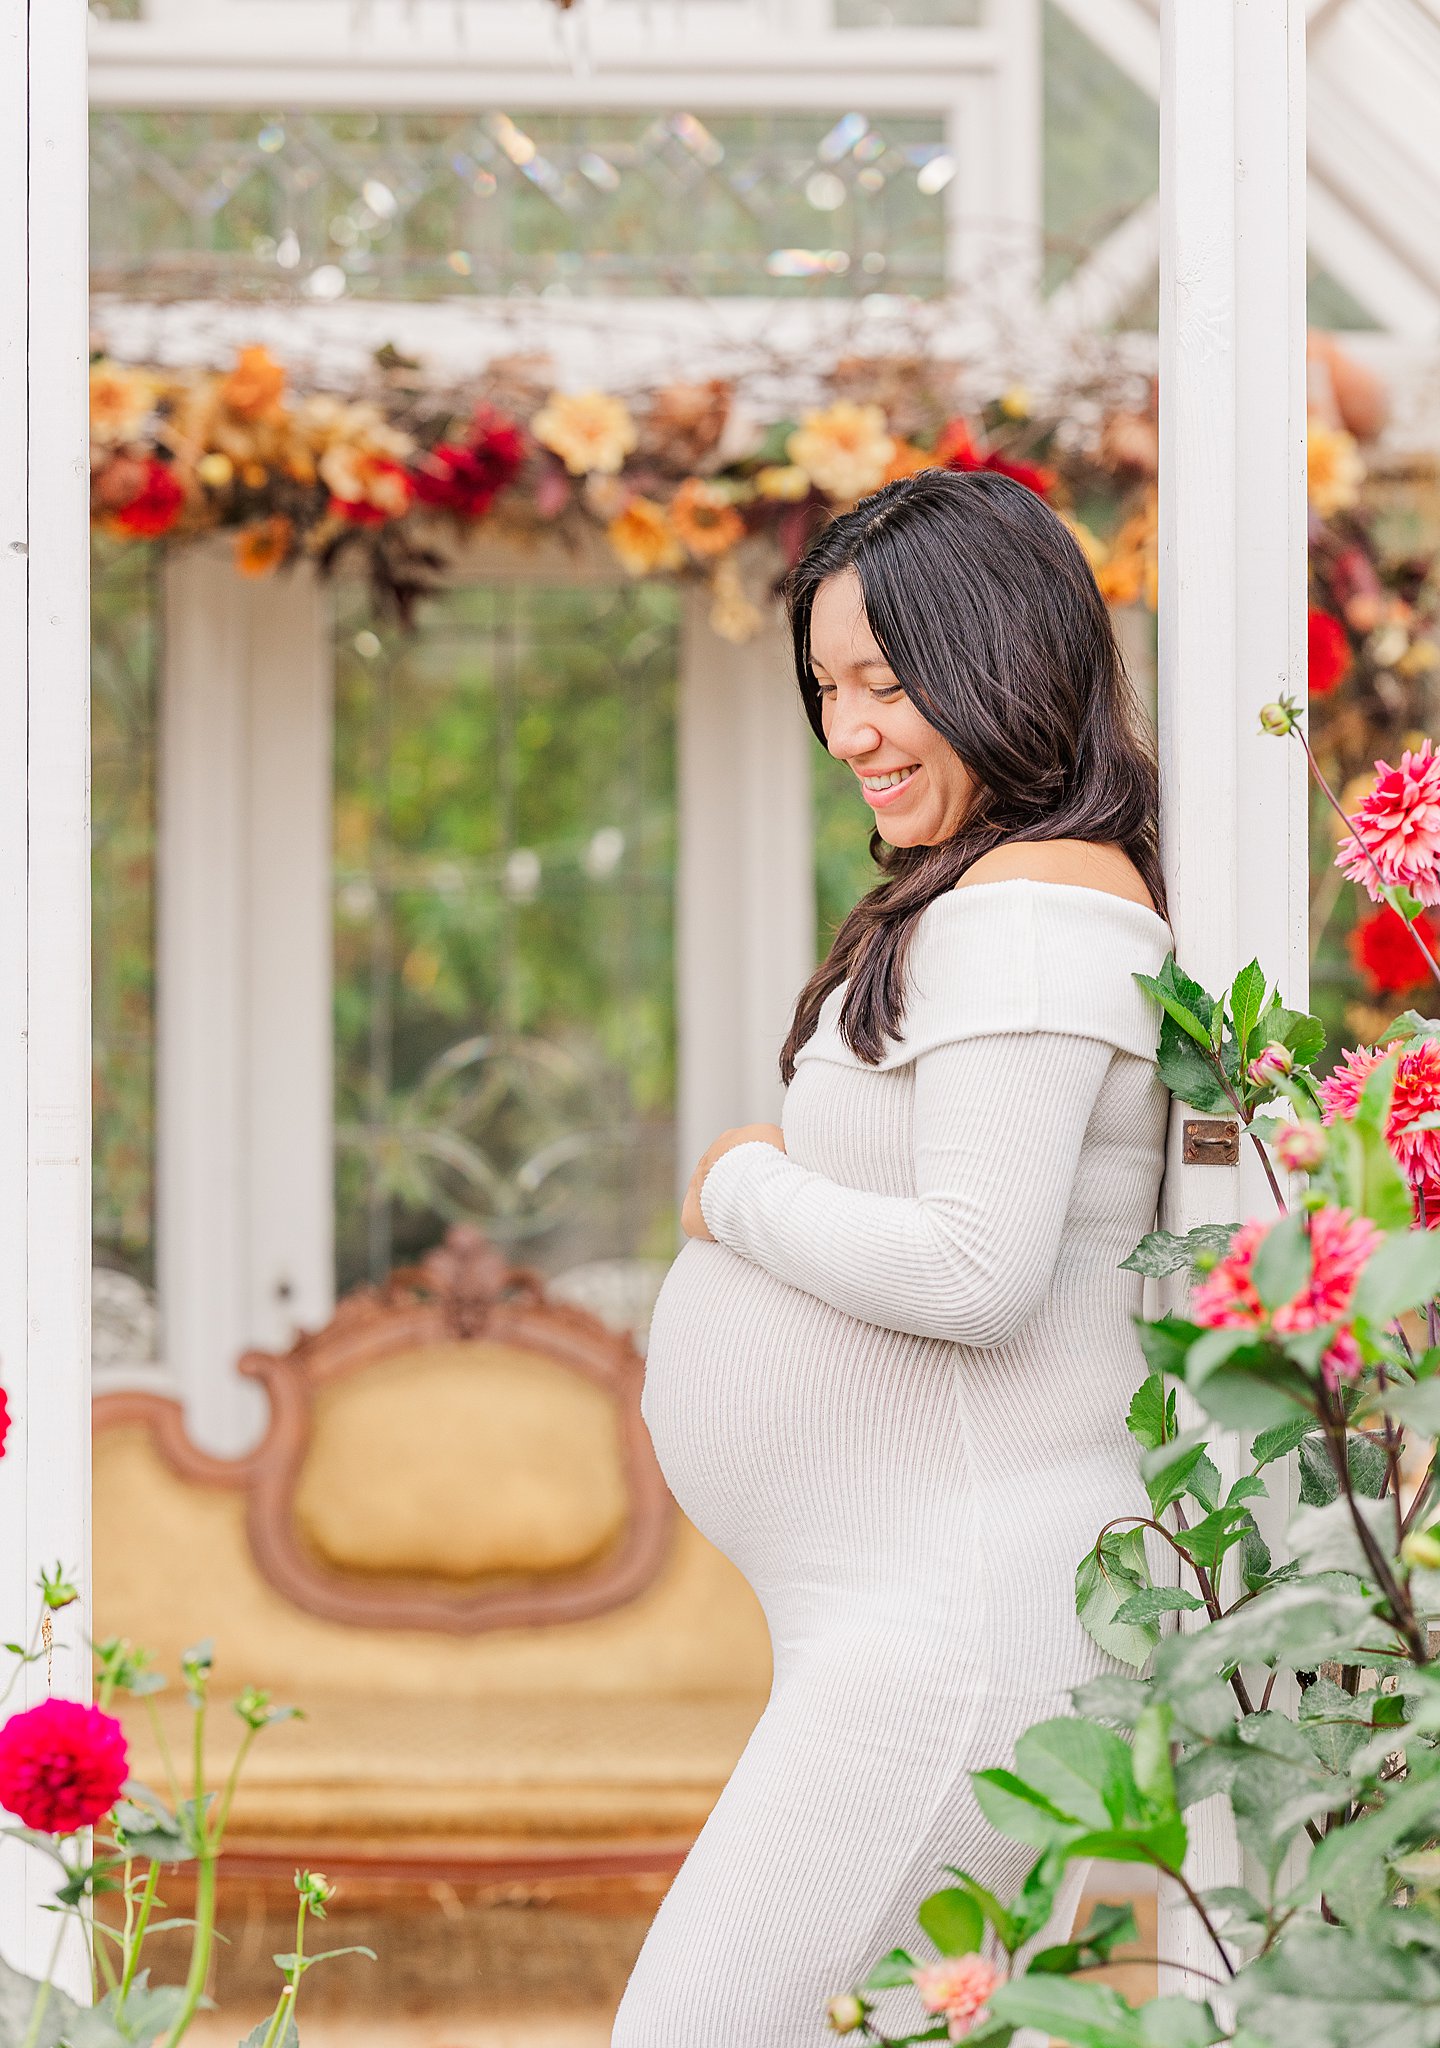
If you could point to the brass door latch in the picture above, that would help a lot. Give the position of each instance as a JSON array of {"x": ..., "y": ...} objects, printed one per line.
[{"x": 1210, "y": 1141}]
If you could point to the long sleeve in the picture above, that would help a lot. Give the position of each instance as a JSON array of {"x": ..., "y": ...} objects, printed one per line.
[{"x": 998, "y": 1122}]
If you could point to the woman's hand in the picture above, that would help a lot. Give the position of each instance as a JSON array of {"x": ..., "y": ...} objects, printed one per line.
[{"x": 692, "y": 1218}]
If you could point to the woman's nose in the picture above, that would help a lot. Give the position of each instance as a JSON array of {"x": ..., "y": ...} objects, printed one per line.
[{"x": 849, "y": 739}]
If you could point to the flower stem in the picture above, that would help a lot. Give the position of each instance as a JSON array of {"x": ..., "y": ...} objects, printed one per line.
[
  {"x": 200, "y": 1947},
  {"x": 290, "y": 1990},
  {"x": 134, "y": 1941},
  {"x": 42, "y": 1995}
]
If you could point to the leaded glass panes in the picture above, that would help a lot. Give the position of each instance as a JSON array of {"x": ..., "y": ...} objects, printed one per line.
[
  {"x": 1101, "y": 145},
  {"x": 125, "y": 618},
  {"x": 504, "y": 915},
  {"x": 431, "y": 205}
]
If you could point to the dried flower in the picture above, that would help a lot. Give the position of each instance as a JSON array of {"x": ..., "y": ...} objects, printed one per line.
[
  {"x": 1416, "y": 1094},
  {"x": 785, "y": 481},
  {"x": 958, "y": 1987},
  {"x": 1397, "y": 829},
  {"x": 643, "y": 538},
  {"x": 155, "y": 506},
  {"x": 588, "y": 430},
  {"x": 1300, "y": 1148},
  {"x": 256, "y": 385},
  {"x": 62, "y": 1766},
  {"x": 260, "y": 549},
  {"x": 685, "y": 421},
  {"x": 732, "y": 615},
  {"x": 1329, "y": 652},
  {"x": 907, "y": 460},
  {"x": 467, "y": 479},
  {"x": 1335, "y": 470},
  {"x": 1339, "y": 1246},
  {"x": 1381, "y": 948},
  {"x": 704, "y": 519},
  {"x": 845, "y": 449},
  {"x": 120, "y": 399},
  {"x": 374, "y": 488}
]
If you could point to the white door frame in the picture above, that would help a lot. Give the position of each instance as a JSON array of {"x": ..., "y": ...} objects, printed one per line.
[{"x": 44, "y": 879}]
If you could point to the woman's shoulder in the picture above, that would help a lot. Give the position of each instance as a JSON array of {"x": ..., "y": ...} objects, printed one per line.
[{"x": 1066, "y": 863}]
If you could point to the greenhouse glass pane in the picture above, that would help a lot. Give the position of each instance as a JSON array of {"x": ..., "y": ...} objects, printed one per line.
[
  {"x": 909, "y": 13},
  {"x": 504, "y": 925},
  {"x": 1102, "y": 146},
  {"x": 435, "y": 205},
  {"x": 124, "y": 623}
]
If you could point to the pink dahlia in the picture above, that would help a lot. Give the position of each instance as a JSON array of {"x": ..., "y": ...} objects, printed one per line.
[
  {"x": 62, "y": 1766},
  {"x": 1417, "y": 1093},
  {"x": 1339, "y": 1246},
  {"x": 4, "y": 1421},
  {"x": 958, "y": 1987},
  {"x": 1398, "y": 829}
]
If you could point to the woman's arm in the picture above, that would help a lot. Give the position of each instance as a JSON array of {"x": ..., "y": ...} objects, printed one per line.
[{"x": 998, "y": 1123}]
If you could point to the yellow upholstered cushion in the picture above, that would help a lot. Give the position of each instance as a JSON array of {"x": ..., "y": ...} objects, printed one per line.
[{"x": 460, "y": 1460}]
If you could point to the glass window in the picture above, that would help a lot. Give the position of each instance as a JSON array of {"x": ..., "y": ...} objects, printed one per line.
[
  {"x": 430, "y": 205},
  {"x": 125, "y": 616},
  {"x": 1101, "y": 148},
  {"x": 504, "y": 925}
]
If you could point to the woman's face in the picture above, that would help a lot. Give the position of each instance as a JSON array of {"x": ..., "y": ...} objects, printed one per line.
[{"x": 912, "y": 778}]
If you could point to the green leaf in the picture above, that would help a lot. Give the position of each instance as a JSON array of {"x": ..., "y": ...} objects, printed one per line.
[
  {"x": 1318, "y": 1482},
  {"x": 1096, "y": 1941},
  {"x": 1178, "y": 1010},
  {"x": 1402, "y": 1272},
  {"x": 1298, "y": 1625},
  {"x": 1335, "y": 1987},
  {"x": 1417, "y": 1407},
  {"x": 1102, "y": 1585},
  {"x": 1350, "y": 1866},
  {"x": 1083, "y": 1770},
  {"x": 1016, "y": 1810},
  {"x": 888, "y": 1974},
  {"x": 1146, "y": 1420},
  {"x": 1303, "y": 1033},
  {"x": 1166, "y": 1342},
  {"x": 1281, "y": 1266},
  {"x": 287, "y": 2037},
  {"x": 1160, "y": 1252},
  {"x": 953, "y": 1920},
  {"x": 1247, "y": 995},
  {"x": 1333, "y": 1723},
  {"x": 1118, "y": 1701},
  {"x": 1216, "y": 1534},
  {"x": 999, "y": 1916},
  {"x": 1152, "y": 1601},
  {"x": 17, "y": 2003},
  {"x": 1086, "y": 2015},
  {"x": 1280, "y": 1441},
  {"x": 1167, "y": 1470}
]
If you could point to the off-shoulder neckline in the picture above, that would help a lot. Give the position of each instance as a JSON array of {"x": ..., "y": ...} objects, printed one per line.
[{"x": 1108, "y": 896}]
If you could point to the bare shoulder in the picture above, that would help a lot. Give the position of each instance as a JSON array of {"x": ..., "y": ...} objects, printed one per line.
[{"x": 1082, "y": 863}]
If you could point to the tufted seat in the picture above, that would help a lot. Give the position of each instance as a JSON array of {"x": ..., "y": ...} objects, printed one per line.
[{"x": 453, "y": 1551}]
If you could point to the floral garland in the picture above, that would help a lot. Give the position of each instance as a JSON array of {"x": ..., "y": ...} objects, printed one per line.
[{"x": 674, "y": 485}]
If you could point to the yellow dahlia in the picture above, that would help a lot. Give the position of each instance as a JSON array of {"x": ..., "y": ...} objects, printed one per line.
[
  {"x": 844, "y": 450},
  {"x": 785, "y": 481},
  {"x": 588, "y": 430},
  {"x": 119, "y": 400},
  {"x": 642, "y": 537},
  {"x": 1336, "y": 468},
  {"x": 255, "y": 386},
  {"x": 704, "y": 518}
]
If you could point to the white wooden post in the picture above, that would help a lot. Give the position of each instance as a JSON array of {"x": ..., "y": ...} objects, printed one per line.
[
  {"x": 1232, "y": 571},
  {"x": 746, "y": 879},
  {"x": 44, "y": 880},
  {"x": 244, "y": 1152}
]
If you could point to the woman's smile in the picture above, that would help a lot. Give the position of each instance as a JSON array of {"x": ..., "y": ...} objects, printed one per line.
[{"x": 887, "y": 786}]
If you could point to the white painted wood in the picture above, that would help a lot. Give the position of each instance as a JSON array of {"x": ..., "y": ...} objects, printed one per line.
[
  {"x": 44, "y": 881},
  {"x": 745, "y": 938},
  {"x": 1232, "y": 572},
  {"x": 244, "y": 1093}
]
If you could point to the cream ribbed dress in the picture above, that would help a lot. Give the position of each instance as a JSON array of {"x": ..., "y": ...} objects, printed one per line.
[{"x": 894, "y": 1392}]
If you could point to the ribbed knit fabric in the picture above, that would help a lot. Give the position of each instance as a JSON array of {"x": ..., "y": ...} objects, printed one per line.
[{"x": 893, "y": 1392}]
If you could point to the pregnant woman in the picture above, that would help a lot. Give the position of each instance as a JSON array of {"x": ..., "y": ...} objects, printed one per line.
[{"x": 889, "y": 1371}]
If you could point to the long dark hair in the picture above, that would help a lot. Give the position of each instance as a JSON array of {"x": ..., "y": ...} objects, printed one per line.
[{"x": 988, "y": 614}]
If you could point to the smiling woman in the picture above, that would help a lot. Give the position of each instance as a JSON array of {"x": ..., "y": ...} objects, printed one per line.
[{"x": 972, "y": 1141}]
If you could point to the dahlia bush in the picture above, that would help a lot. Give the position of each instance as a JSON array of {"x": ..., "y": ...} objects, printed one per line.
[
  {"x": 65, "y": 1781},
  {"x": 1301, "y": 1688}
]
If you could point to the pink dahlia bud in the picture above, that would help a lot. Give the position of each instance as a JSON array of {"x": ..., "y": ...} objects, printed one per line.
[
  {"x": 958, "y": 1987},
  {"x": 1272, "y": 1064},
  {"x": 62, "y": 1766},
  {"x": 845, "y": 2013},
  {"x": 1300, "y": 1148}
]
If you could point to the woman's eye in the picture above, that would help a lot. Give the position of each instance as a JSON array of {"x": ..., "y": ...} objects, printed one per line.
[{"x": 885, "y": 691}]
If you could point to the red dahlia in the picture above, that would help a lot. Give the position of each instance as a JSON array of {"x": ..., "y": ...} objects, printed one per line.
[
  {"x": 1329, "y": 652},
  {"x": 156, "y": 505},
  {"x": 62, "y": 1766},
  {"x": 1383, "y": 951},
  {"x": 468, "y": 479}
]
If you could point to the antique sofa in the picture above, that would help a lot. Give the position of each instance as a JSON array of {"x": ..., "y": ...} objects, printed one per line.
[{"x": 454, "y": 1550}]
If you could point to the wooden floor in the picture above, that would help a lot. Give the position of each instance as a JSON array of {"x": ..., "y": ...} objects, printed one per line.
[{"x": 509, "y": 1966}]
